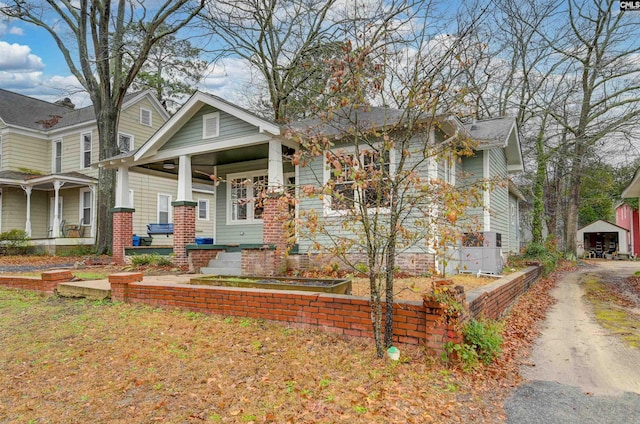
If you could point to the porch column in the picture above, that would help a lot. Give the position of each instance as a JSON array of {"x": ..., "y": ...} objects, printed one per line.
[
  {"x": 184, "y": 230},
  {"x": 122, "y": 217},
  {"x": 27, "y": 224},
  {"x": 275, "y": 219},
  {"x": 122, "y": 188},
  {"x": 56, "y": 217},
  {"x": 276, "y": 175},
  {"x": 184, "y": 180}
]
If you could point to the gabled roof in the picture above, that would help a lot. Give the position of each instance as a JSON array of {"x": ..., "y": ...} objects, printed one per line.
[
  {"x": 22, "y": 111},
  {"x": 633, "y": 189},
  {"x": 600, "y": 225},
  {"x": 499, "y": 133},
  {"x": 189, "y": 109}
]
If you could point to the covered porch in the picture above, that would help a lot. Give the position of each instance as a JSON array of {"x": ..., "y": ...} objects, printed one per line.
[{"x": 56, "y": 209}]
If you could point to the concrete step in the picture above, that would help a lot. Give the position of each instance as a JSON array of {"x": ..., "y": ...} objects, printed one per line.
[
  {"x": 221, "y": 271},
  {"x": 94, "y": 290}
]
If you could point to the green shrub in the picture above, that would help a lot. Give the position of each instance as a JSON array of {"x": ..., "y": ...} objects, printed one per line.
[
  {"x": 547, "y": 255},
  {"x": 76, "y": 251},
  {"x": 484, "y": 337},
  {"x": 15, "y": 242},
  {"x": 152, "y": 259},
  {"x": 141, "y": 260}
]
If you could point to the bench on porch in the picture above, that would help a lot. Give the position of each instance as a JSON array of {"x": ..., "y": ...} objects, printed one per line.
[{"x": 165, "y": 229}]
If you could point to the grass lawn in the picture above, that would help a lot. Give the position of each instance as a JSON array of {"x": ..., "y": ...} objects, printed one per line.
[{"x": 66, "y": 361}]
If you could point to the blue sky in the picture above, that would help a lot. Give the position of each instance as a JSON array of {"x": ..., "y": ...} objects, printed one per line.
[{"x": 31, "y": 64}]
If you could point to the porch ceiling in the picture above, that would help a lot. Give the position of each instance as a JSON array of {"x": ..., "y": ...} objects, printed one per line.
[{"x": 206, "y": 161}]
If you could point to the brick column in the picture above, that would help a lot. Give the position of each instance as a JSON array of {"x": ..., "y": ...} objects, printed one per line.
[
  {"x": 184, "y": 230},
  {"x": 275, "y": 218},
  {"x": 120, "y": 284},
  {"x": 122, "y": 232}
]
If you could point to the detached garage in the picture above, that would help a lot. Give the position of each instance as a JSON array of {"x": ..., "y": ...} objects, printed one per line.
[{"x": 602, "y": 239}]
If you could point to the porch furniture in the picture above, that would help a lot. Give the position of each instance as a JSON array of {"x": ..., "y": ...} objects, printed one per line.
[
  {"x": 70, "y": 230},
  {"x": 166, "y": 229}
]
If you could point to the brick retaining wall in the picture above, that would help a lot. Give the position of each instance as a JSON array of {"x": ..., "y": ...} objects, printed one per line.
[{"x": 47, "y": 282}]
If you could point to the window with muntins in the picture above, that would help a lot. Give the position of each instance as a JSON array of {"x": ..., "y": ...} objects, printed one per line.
[
  {"x": 86, "y": 150},
  {"x": 245, "y": 196},
  {"x": 343, "y": 169},
  {"x": 85, "y": 207}
]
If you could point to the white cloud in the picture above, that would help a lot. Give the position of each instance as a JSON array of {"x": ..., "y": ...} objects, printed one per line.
[
  {"x": 228, "y": 78},
  {"x": 17, "y": 57},
  {"x": 16, "y": 31}
]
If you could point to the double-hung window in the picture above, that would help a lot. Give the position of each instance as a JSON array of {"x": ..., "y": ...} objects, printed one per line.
[
  {"x": 203, "y": 209},
  {"x": 164, "y": 208},
  {"x": 357, "y": 179},
  {"x": 245, "y": 194},
  {"x": 57, "y": 156},
  {"x": 86, "y": 150}
]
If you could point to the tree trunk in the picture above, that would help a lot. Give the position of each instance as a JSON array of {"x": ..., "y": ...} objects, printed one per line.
[{"x": 538, "y": 191}]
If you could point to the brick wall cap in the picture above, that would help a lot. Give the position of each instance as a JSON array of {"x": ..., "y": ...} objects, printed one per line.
[{"x": 116, "y": 210}]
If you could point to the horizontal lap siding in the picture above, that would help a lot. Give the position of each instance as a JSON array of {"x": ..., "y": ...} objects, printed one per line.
[
  {"x": 500, "y": 214},
  {"x": 20, "y": 152}
]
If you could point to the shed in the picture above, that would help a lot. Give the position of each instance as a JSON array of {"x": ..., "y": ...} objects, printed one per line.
[{"x": 601, "y": 238}]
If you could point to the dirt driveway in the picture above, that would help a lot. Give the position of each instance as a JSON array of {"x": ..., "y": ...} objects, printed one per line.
[{"x": 578, "y": 371}]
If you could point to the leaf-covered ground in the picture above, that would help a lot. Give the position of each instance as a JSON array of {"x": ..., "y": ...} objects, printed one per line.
[{"x": 76, "y": 361}]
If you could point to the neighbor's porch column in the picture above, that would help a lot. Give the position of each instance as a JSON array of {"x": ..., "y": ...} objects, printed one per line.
[
  {"x": 276, "y": 174},
  {"x": 56, "y": 216},
  {"x": 122, "y": 217},
  {"x": 184, "y": 214},
  {"x": 27, "y": 224}
]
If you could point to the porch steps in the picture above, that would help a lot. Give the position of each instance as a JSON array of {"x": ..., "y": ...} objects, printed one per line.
[
  {"x": 94, "y": 290},
  {"x": 226, "y": 263}
]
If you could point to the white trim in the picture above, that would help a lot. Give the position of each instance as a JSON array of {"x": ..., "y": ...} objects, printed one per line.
[
  {"x": 131, "y": 141},
  {"x": 83, "y": 151},
  {"x": 486, "y": 196},
  {"x": 0, "y": 209},
  {"x": 144, "y": 110},
  {"x": 52, "y": 219},
  {"x": 208, "y": 130},
  {"x": 207, "y": 215},
  {"x": 250, "y": 199},
  {"x": 170, "y": 209}
]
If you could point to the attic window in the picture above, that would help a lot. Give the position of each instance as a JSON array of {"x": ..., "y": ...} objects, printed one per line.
[
  {"x": 145, "y": 117},
  {"x": 210, "y": 125}
]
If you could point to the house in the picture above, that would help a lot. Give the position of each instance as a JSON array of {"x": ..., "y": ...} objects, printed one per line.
[
  {"x": 213, "y": 143},
  {"x": 602, "y": 239},
  {"x": 627, "y": 218},
  {"x": 47, "y": 182}
]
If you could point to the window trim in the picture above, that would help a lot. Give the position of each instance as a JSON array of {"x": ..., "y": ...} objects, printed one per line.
[
  {"x": 206, "y": 135},
  {"x": 251, "y": 208},
  {"x": 54, "y": 144},
  {"x": 82, "y": 206},
  {"x": 326, "y": 203},
  {"x": 83, "y": 151},
  {"x": 131, "y": 138},
  {"x": 170, "y": 209},
  {"x": 207, "y": 217},
  {"x": 142, "y": 114},
  {"x": 1, "y": 145}
]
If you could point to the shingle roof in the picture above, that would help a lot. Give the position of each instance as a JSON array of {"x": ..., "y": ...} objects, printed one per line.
[
  {"x": 27, "y": 112},
  {"x": 495, "y": 130},
  {"x": 344, "y": 120}
]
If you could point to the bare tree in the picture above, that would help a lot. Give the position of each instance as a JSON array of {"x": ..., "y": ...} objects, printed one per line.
[{"x": 91, "y": 36}]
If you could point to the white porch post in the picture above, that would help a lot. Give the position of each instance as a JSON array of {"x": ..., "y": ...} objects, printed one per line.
[
  {"x": 56, "y": 216},
  {"x": 276, "y": 174},
  {"x": 122, "y": 188},
  {"x": 27, "y": 225},
  {"x": 94, "y": 208},
  {"x": 185, "y": 192}
]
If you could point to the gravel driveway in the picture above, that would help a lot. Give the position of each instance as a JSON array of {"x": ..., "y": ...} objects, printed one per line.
[{"x": 578, "y": 372}]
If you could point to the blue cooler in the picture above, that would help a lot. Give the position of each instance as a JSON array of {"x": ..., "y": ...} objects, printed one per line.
[
  {"x": 136, "y": 240},
  {"x": 204, "y": 240}
]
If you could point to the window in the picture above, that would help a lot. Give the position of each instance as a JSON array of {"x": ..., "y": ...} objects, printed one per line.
[
  {"x": 57, "y": 156},
  {"x": 203, "y": 209},
  {"x": 145, "y": 117},
  {"x": 86, "y": 150},
  {"x": 85, "y": 206},
  {"x": 342, "y": 172},
  {"x": 125, "y": 142},
  {"x": 164, "y": 208},
  {"x": 449, "y": 165},
  {"x": 210, "y": 125},
  {"x": 244, "y": 196}
]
